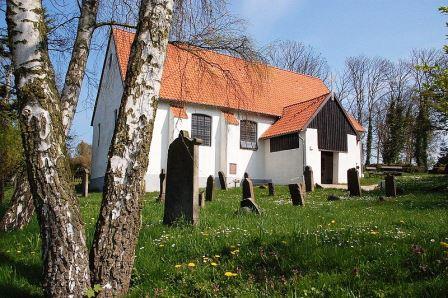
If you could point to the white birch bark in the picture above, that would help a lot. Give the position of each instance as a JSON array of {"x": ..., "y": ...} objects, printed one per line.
[
  {"x": 64, "y": 252},
  {"x": 118, "y": 225}
]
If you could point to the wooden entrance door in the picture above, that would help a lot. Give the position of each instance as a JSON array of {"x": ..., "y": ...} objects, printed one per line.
[{"x": 326, "y": 163}]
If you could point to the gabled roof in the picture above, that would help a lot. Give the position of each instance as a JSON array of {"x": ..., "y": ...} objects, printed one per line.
[
  {"x": 295, "y": 117},
  {"x": 192, "y": 76},
  {"x": 298, "y": 116},
  {"x": 358, "y": 127}
]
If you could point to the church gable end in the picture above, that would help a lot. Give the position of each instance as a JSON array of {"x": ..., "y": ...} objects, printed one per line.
[{"x": 332, "y": 127}]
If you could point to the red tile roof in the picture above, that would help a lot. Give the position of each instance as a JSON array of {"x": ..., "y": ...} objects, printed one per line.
[
  {"x": 356, "y": 125},
  {"x": 179, "y": 112},
  {"x": 192, "y": 76},
  {"x": 230, "y": 118},
  {"x": 295, "y": 117}
]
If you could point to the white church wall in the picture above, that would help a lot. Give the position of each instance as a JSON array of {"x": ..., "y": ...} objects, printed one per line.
[
  {"x": 349, "y": 159},
  {"x": 313, "y": 153},
  {"x": 109, "y": 96},
  {"x": 284, "y": 167}
]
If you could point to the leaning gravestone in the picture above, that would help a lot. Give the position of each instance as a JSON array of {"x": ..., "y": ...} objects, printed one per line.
[
  {"x": 248, "y": 199},
  {"x": 391, "y": 187},
  {"x": 162, "y": 186},
  {"x": 271, "y": 189},
  {"x": 297, "y": 194},
  {"x": 209, "y": 188},
  {"x": 246, "y": 175},
  {"x": 222, "y": 180},
  {"x": 309, "y": 179},
  {"x": 85, "y": 183},
  {"x": 182, "y": 182},
  {"x": 353, "y": 183}
]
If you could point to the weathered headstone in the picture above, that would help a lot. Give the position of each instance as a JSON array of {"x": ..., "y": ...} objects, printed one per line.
[
  {"x": 162, "y": 186},
  {"x": 222, "y": 180},
  {"x": 354, "y": 185},
  {"x": 446, "y": 170},
  {"x": 248, "y": 198},
  {"x": 271, "y": 189},
  {"x": 201, "y": 199},
  {"x": 85, "y": 183},
  {"x": 210, "y": 188},
  {"x": 248, "y": 189},
  {"x": 391, "y": 187},
  {"x": 297, "y": 194},
  {"x": 182, "y": 182},
  {"x": 246, "y": 175},
  {"x": 309, "y": 179}
]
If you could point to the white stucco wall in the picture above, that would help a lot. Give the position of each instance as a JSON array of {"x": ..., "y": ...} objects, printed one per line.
[
  {"x": 109, "y": 96},
  {"x": 349, "y": 159},
  {"x": 285, "y": 167},
  {"x": 312, "y": 153}
]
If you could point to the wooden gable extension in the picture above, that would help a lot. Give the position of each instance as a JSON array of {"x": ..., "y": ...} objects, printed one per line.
[{"x": 332, "y": 127}]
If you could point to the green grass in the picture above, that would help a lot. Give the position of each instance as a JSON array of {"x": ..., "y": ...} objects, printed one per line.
[{"x": 352, "y": 247}]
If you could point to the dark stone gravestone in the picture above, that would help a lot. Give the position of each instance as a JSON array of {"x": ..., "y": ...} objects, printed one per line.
[
  {"x": 391, "y": 187},
  {"x": 162, "y": 186},
  {"x": 353, "y": 183},
  {"x": 210, "y": 188},
  {"x": 248, "y": 199},
  {"x": 446, "y": 170},
  {"x": 182, "y": 182},
  {"x": 271, "y": 189},
  {"x": 246, "y": 175},
  {"x": 309, "y": 179},
  {"x": 297, "y": 194},
  {"x": 201, "y": 199},
  {"x": 222, "y": 180}
]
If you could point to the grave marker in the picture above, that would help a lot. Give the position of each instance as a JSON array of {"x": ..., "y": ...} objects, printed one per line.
[
  {"x": 391, "y": 187},
  {"x": 271, "y": 189},
  {"x": 162, "y": 186},
  {"x": 353, "y": 183},
  {"x": 248, "y": 199},
  {"x": 182, "y": 182},
  {"x": 210, "y": 188},
  {"x": 309, "y": 178},
  {"x": 297, "y": 194},
  {"x": 222, "y": 180}
]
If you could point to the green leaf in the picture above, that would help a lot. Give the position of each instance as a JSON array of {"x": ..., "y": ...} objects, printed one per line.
[
  {"x": 90, "y": 293},
  {"x": 97, "y": 288}
]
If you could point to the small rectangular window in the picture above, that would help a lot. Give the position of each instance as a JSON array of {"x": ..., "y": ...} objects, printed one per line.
[
  {"x": 201, "y": 128},
  {"x": 286, "y": 142},
  {"x": 99, "y": 133},
  {"x": 248, "y": 135}
]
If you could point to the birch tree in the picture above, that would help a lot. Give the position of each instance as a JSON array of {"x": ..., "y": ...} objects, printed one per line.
[{"x": 64, "y": 251}]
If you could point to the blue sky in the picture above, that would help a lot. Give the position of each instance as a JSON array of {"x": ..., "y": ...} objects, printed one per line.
[{"x": 336, "y": 28}]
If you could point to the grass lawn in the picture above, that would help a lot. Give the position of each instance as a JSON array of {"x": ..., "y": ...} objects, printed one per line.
[{"x": 352, "y": 247}]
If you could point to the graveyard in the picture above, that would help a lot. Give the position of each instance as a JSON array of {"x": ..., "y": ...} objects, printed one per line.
[{"x": 347, "y": 247}]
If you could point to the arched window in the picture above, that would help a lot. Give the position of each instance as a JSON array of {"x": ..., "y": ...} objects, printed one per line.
[
  {"x": 248, "y": 135},
  {"x": 201, "y": 128}
]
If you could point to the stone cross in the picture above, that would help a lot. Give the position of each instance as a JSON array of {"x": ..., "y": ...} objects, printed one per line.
[
  {"x": 309, "y": 179},
  {"x": 85, "y": 183},
  {"x": 248, "y": 199},
  {"x": 353, "y": 183},
  {"x": 209, "y": 188},
  {"x": 297, "y": 193},
  {"x": 391, "y": 187},
  {"x": 271, "y": 189},
  {"x": 182, "y": 181},
  {"x": 222, "y": 180},
  {"x": 162, "y": 180}
]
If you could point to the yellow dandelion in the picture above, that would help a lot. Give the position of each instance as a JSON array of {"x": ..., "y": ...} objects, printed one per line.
[
  {"x": 333, "y": 221},
  {"x": 402, "y": 221},
  {"x": 217, "y": 256},
  {"x": 374, "y": 232},
  {"x": 230, "y": 274},
  {"x": 234, "y": 252},
  {"x": 284, "y": 242},
  {"x": 444, "y": 244},
  {"x": 161, "y": 245},
  {"x": 178, "y": 266},
  {"x": 191, "y": 265},
  {"x": 213, "y": 264}
]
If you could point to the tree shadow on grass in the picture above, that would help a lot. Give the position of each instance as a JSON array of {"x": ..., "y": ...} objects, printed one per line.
[{"x": 30, "y": 272}]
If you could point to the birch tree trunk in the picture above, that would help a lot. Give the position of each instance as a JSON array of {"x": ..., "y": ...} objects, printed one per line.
[
  {"x": 64, "y": 252},
  {"x": 21, "y": 207},
  {"x": 113, "y": 251}
]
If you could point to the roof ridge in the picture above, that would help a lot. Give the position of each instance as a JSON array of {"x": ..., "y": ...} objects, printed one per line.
[
  {"x": 308, "y": 100},
  {"x": 116, "y": 27}
]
